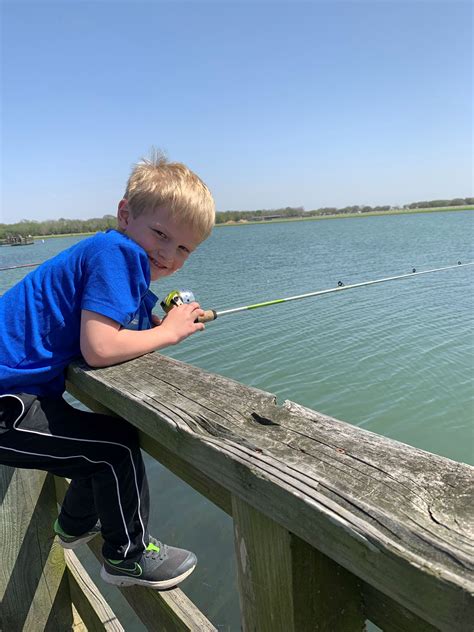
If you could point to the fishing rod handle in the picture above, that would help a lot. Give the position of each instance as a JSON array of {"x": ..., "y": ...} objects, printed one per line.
[{"x": 209, "y": 314}]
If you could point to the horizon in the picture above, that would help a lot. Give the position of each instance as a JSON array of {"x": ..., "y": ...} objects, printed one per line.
[
  {"x": 263, "y": 210},
  {"x": 273, "y": 104}
]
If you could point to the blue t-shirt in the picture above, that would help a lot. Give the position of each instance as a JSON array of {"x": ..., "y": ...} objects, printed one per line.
[{"x": 40, "y": 316}]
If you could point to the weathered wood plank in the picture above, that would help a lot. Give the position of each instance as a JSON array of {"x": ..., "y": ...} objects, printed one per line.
[
  {"x": 34, "y": 589},
  {"x": 93, "y": 609},
  {"x": 160, "y": 611},
  {"x": 393, "y": 515},
  {"x": 78, "y": 623},
  {"x": 285, "y": 584},
  {"x": 386, "y": 613}
]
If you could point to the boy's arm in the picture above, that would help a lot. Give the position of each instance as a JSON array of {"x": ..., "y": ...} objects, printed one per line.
[{"x": 104, "y": 342}]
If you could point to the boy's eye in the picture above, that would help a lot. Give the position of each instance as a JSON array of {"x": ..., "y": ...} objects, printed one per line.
[{"x": 159, "y": 233}]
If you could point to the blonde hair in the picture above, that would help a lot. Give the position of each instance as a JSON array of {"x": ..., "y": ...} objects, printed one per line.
[{"x": 155, "y": 182}]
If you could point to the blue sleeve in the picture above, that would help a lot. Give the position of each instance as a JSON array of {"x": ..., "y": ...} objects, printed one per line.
[{"x": 116, "y": 281}]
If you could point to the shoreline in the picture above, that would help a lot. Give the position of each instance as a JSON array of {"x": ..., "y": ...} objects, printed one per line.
[
  {"x": 447, "y": 209},
  {"x": 244, "y": 222}
]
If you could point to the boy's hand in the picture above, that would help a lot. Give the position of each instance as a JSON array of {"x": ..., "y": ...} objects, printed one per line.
[{"x": 180, "y": 321}]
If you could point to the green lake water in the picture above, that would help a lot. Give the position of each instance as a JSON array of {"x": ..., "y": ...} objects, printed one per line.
[{"x": 396, "y": 358}]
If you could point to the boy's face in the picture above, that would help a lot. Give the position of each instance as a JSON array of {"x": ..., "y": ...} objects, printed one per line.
[{"x": 167, "y": 242}]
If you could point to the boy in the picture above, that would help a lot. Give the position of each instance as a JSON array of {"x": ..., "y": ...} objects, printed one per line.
[{"x": 94, "y": 299}]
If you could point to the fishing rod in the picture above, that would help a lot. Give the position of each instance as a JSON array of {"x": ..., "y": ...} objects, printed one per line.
[{"x": 178, "y": 297}]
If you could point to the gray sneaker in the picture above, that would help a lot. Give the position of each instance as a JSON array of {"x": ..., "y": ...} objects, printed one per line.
[
  {"x": 73, "y": 541},
  {"x": 160, "y": 567}
]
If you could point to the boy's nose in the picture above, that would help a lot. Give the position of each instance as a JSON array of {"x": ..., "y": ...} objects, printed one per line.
[{"x": 166, "y": 254}]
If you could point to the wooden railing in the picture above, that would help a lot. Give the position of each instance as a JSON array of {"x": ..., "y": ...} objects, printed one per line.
[{"x": 333, "y": 524}]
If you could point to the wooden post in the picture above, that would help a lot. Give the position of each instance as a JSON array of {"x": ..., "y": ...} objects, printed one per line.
[
  {"x": 34, "y": 588},
  {"x": 285, "y": 584}
]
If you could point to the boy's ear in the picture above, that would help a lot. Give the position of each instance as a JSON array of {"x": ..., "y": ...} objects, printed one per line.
[{"x": 123, "y": 214}]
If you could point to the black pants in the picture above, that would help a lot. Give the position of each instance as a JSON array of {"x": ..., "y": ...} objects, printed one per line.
[{"x": 99, "y": 453}]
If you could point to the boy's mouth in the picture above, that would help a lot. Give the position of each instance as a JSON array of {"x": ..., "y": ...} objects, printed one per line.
[{"x": 156, "y": 264}]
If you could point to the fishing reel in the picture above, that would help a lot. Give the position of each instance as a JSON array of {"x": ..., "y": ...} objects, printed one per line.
[
  {"x": 180, "y": 297},
  {"x": 175, "y": 298}
]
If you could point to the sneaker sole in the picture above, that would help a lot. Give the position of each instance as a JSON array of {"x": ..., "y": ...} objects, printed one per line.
[
  {"x": 119, "y": 580},
  {"x": 76, "y": 543}
]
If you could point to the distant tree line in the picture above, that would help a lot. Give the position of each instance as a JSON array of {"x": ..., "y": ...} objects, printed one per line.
[
  {"x": 57, "y": 226},
  {"x": 261, "y": 215},
  {"x": 236, "y": 216},
  {"x": 66, "y": 226},
  {"x": 441, "y": 203}
]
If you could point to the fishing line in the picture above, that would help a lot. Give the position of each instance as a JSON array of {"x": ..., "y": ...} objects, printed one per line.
[{"x": 23, "y": 265}]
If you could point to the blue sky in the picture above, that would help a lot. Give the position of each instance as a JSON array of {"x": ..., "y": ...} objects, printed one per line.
[{"x": 273, "y": 104}]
